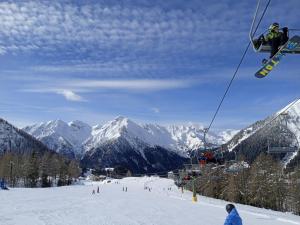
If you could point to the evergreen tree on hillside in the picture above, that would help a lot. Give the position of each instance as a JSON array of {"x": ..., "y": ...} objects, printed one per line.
[
  {"x": 63, "y": 172},
  {"x": 266, "y": 183},
  {"x": 295, "y": 191},
  {"x": 32, "y": 170},
  {"x": 45, "y": 170},
  {"x": 5, "y": 166}
]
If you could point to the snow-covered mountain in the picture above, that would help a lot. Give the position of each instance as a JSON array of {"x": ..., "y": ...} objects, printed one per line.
[
  {"x": 141, "y": 147},
  {"x": 76, "y": 137},
  {"x": 135, "y": 134},
  {"x": 65, "y": 138},
  {"x": 191, "y": 137},
  {"x": 15, "y": 140},
  {"x": 280, "y": 129},
  {"x": 179, "y": 139}
]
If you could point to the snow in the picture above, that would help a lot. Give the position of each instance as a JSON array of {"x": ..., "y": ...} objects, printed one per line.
[
  {"x": 293, "y": 124},
  {"x": 81, "y": 137},
  {"x": 238, "y": 166},
  {"x": 179, "y": 138},
  {"x": 227, "y": 134},
  {"x": 58, "y": 133},
  {"x": 248, "y": 132},
  {"x": 75, "y": 205}
]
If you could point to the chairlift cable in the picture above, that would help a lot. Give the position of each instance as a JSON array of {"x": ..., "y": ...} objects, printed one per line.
[{"x": 238, "y": 67}]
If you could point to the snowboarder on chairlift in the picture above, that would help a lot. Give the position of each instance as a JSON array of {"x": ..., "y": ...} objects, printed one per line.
[
  {"x": 275, "y": 38},
  {"x": 233, "y": 217}
]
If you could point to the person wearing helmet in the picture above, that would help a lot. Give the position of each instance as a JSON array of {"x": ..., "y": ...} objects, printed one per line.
[
  {"x": 233, "y": 217},
  {"x": 275, "y": 38}
]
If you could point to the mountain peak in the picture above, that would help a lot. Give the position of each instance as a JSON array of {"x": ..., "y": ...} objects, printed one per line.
[
  {"x": 56, "y": 133},
  {"x": 121, "y": 118},
  {"x": 57, "y": 122}
]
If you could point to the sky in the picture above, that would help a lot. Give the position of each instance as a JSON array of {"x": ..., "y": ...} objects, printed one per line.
[{"x": 165, "y": 62}]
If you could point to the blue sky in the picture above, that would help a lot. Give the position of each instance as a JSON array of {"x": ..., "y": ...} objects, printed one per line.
[{"x": 166, "y": 62}]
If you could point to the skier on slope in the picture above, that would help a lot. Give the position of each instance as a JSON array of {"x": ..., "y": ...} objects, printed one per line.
[
  {"x": 275, "y": 38},
  {"x": 233, "y": 217}
]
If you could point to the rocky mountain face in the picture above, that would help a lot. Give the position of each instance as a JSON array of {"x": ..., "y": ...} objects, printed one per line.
[
  {"x": 15, "y": 140},
  {"x": 279, "y": 130},
  {"x": 139, "y": 158}
]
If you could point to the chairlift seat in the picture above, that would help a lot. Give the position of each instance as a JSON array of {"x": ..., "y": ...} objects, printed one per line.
[
  {"x": 261, "y": 47},
  {"x": 266, "y": 48}
]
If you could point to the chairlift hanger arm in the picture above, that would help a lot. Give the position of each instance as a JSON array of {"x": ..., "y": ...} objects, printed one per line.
[{"x": 251, "y": 34}]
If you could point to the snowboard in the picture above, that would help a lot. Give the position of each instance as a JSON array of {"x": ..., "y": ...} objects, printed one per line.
[{"x": 271, "y": 63}]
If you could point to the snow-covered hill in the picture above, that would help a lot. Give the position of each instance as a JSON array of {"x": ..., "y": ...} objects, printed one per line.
[
  {"x": 163, "y": 205},
  {"x": 15, "y": 140},
  {"x": 280, "y": 129},
  {"x": 65, "y": 138}
]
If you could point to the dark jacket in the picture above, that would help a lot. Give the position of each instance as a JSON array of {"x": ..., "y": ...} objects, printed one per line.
[{"x": 233, "y": 218}]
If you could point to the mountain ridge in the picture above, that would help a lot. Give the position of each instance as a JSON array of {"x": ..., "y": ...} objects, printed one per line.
[
  {"x": 282, "y": 129},
  {"x": 181, "y": 139},
  {"x": 13, "y": 139}
]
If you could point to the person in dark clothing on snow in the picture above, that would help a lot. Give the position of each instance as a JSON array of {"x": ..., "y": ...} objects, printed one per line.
[{"x": 233, "y": 217}]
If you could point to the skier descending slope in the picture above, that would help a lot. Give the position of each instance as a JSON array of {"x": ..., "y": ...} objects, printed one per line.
[{"x": 233, "y": 217}]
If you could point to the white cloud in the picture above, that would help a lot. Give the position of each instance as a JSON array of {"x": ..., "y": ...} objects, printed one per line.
[
  {"x": 44, "y": 25},
  {"x": 70, "y": 95},
  {"x": 155, "y": 109},
  {"x": 130, "y": 84},
  {"x": 69, "y": 88},
  {"x": 91, "y": 28},
  {"x": 2, "y": 50}
]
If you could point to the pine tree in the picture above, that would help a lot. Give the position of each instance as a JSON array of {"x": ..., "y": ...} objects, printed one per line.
[
  {"x": 63, "y": 172},
  {"x": 45, "y": 170},
  {"x": 32, "y": 170}
]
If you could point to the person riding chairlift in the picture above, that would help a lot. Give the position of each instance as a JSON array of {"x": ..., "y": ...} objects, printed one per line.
[{"x": 275, "y": 38}]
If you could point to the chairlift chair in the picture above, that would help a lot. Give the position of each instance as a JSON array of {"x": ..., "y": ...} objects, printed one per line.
[{"x": 262, "y": 47}]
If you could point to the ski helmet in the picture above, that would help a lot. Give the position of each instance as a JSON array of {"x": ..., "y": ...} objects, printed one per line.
[
  {"x": 274, "y": 26},
  {"x": 229, "y": 207}
]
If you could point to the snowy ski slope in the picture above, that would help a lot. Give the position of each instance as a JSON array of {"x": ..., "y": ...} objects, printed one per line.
[{"x": 76, "y": 205}]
